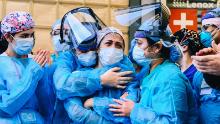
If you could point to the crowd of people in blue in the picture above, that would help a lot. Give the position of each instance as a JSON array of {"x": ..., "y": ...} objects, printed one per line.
[{"x": 167, "y": 77}]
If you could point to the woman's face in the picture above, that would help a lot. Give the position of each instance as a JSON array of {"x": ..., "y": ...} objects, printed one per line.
[
  {"x": 111, "y": 49},
  {"x": 144, "y": 45},
  {"x": 112, "y": 40},
  {"x": 21, "y": 43}
]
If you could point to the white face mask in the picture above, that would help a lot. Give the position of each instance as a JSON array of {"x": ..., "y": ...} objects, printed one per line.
[
  {"x": 87, "y": 59},
  {"x": 180, "y": 50},
  {"x": 23, "y": 46},
  {"x": 139, "y": 57},
  {"x": 109, "y": 56},
  {"x": 59, "y": 46}
]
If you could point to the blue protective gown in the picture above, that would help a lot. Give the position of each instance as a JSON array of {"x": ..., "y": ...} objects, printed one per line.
[
  {"x": 26, "y": 92},
  {"x": 208, "y": 100},
  {"x": 142, "y": 73},
  {"x": 85, "y": 83},
  {"x": 63, "y": 77},
  {"x": 166, "y": 98}
]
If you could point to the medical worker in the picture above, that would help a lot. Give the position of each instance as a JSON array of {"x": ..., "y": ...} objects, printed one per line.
[
  {"x": 189, "y": 43},
  {"x": 83, "y": 54},
  {"x": 210, "y": 27},
  {"x": 26, "y": 95},
  {"x": 208, "y": 95},
  {"x": 165, "y": 97},
  {"x": 110, "y": 52},
  {"x": 166, "y": 94},
  {"x": 206, "y": 61}
]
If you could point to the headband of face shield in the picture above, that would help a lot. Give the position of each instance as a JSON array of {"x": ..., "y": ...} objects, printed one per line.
[{"x": 83, "y": 25}]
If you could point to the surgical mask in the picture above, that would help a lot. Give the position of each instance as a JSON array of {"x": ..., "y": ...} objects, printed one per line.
[
  {"x": 139, "y": 57},
  {"x": 179, "y": 49},
  {"x": 109, "y": 56},
  {"x": 23, "y": 46},
  {"x": 87, "y": 59},
  {"x": 206, "y": 38},
  {"x": 59, "y": 46}
]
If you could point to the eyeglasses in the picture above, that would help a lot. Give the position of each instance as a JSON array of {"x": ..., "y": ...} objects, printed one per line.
[{"x": 57, "y": 32}]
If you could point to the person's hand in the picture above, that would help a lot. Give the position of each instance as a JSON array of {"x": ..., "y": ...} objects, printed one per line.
[
  {"x": 216, "y": 35},
  {"x": 206, "y": 51},
  {"x": 88, "y": 103},
  {"x": 113, "y": 78},
  {"x": 122, "y": 108},
  {"x": 209, "y": 64},
  {"x": 41, "y": 57}
]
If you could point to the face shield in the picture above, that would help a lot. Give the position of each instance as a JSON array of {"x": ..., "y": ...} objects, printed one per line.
[
  {"x": 150, "y": 20},
  {"x": 82, "y": 24}
]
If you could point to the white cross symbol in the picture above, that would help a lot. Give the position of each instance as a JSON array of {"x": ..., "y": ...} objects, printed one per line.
[{"x": 183, "y": 22}]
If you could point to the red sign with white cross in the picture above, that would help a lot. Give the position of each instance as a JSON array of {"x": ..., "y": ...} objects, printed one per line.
[{"x": 183, "y": 18}]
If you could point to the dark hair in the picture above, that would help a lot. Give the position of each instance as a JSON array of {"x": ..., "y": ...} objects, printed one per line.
[
  {"x": 3, "y": 42},
  {"x": 212, "y": 80},
  {"x": 193, "y": 48},
  {"x": 165, "y": 52}
]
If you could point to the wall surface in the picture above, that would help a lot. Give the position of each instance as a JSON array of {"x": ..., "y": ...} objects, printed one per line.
[{"x": 45, "y": 12}]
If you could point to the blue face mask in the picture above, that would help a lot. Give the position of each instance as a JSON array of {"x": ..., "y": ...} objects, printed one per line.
[
  {"x": 59, "y": 46},
  {"x": 87, "y": 59},
  {"x": 206, "y": 38},
  {"x": 110, "y": 56},
  {"x": 23, "y": 46},
  {"x": 139, "y": 57}
]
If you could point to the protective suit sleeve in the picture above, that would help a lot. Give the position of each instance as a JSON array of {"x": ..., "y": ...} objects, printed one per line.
[
  {"x": 46, "y": 94},
  {"x": 12, "y": 100},
  {"x": 76, "y": 83},
  {"x": 82, "y": 83},
  {"x": 80, "y": 115}
]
